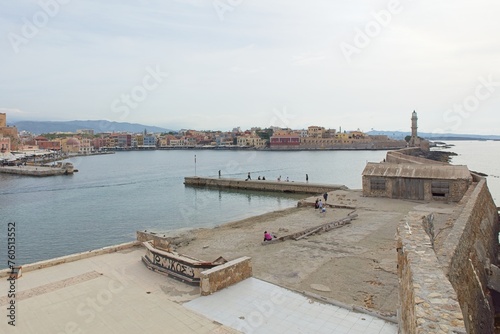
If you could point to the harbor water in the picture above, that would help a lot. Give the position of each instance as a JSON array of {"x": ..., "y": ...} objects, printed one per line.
[{"x": 112, "y": 196}]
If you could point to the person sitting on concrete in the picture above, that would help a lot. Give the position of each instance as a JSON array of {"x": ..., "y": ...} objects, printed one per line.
[
  {"x": 320, "y": 204},
  {"x": 267, "y": 236},
  {"x": 258, "y": 178},
  {"x": 263, "y": 178}
]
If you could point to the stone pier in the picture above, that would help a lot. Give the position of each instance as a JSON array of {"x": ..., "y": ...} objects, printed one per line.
[{"x": 262, "y": 185}]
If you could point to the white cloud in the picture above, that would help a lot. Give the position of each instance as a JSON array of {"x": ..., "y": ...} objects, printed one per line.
[{"x": 262, "y": 56}]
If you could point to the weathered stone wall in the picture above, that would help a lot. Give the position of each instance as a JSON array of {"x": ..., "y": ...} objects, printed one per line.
[
  {"x": 267, "y": 185},
  {"x": 470, "y": 244},
  {"x": 456, "y": 190},
  {"x": 158, "y": 242},
  {"x": 428, "y": 302},
  {"x": 369, "y": 192},
  {"x": 227, "y": 274}
]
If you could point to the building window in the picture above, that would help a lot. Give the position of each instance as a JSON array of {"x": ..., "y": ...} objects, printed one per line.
[
  {"x": 440, "y": 188},
  {"x": 377, "y": 184}
]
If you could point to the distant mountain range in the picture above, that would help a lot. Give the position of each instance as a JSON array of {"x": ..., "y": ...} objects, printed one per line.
[
  {"x": 434, "y": 136},
  {"x": 39, "y": 127}
]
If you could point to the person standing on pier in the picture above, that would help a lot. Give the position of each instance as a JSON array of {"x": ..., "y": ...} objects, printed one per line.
[
  {"x": 219, "y": 173},
  {"x": 249, "y": 178},
  {"x": 307, "y": 178}
]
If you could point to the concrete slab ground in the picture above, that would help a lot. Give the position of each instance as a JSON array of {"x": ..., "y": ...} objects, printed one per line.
[
  {"x": 112, "y": 293},
  {"x": 355, "y": 264},
  {"x": 255, "y": 306}
]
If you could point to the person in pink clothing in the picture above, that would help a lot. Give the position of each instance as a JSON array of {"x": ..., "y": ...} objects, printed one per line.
[{"x": 267, "y": 236}]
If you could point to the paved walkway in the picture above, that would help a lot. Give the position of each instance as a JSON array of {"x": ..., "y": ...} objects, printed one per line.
[
  {"x": 255, "y": 306},
  {"x": 112, "y": 293}
]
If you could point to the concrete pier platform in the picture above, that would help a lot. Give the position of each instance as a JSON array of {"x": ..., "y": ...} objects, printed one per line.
[{"x": 262, "y": 185}]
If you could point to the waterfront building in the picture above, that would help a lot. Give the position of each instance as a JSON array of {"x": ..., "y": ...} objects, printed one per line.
[
  {"x": 53, "y": 145},
  {"x": 9, "y": 131},
  {"x": 251, "y": 141},
  {"x": 138, "y": 140},
  {"x": 176, "y": 142},
  {"x": 70, "y": 145},
  {"x": 224, "y": 140},
  {"x": 302, "y": 133},
  {"x": 315, "y": 131},
  {"x": 97, "y": 143},
  {"x": 150, "y": 141},
  {"x": 85, "y": 146},
  {"x": 4, "y": 145},
  {"x": 163, "y": 141},
  {"x": 282, "y": 132},
  {"x": 285, "y": 141},
  {"x": 124, "y": 140}
]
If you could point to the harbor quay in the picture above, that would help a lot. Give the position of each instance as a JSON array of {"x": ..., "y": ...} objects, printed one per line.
[{"x": 38, "y": 170}]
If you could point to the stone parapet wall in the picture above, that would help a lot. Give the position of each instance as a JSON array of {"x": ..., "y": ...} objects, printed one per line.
[
  {"x": 471, "y": 244},
  {"x": 227, "y": 274},
  {"x": 428, "y": 302},
  {"x": 267, "y": 185},
  {"x": 404, "y": 156},
  {"x": 158, "y": 242}
]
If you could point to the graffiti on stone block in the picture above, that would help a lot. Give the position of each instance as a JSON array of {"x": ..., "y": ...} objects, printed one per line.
[{"x": 173, "y": 265}]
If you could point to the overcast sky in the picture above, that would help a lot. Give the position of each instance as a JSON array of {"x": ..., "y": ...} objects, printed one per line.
[{"x": 218, "y": 64}]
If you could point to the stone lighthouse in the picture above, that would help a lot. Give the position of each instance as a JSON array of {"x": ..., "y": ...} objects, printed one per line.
[
  {"x": 414, "y": 120},
  {"x": 415, "y": 141}
]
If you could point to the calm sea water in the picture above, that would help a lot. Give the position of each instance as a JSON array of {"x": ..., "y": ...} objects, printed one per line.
[
  {"x": 480, "y": 156},
  {"x": 112, "y": 196}
]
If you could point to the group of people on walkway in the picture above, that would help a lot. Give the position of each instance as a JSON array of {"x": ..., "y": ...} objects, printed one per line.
[
  {"x": 249, "y": 177},
  {"x": 320, "y": 205}
]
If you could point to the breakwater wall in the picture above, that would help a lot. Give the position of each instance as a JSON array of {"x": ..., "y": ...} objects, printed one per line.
[
  {"x": 427, "y": 300},
  {"x": 469, "y": 249},
  {"x": 261, "y": 185},
  {"x": 404, "y": 156}
]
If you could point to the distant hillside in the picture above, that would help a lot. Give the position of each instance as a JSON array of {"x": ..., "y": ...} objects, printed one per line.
[
  {"x": 72, "y": 126},
  {"x": 434, "y": 136}
]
